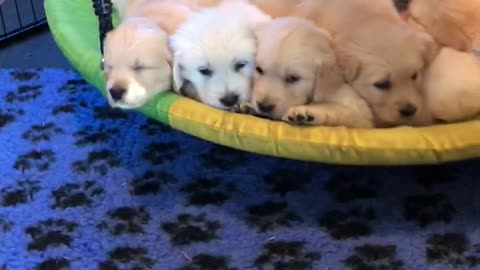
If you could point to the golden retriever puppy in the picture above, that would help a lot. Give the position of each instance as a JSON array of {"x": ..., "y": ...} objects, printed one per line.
[
  {"x": 214, "y": 54},
  {"x": 136, "y": 54},
  {"x": 452, "y": 86},
  {"x": 453, "y": 23},
  {"x": 298, "y": 80},
  {"x": 382, "y": 57}
]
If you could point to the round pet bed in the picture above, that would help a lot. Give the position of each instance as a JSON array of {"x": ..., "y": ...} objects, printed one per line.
[{"x": 74, "y": 26}]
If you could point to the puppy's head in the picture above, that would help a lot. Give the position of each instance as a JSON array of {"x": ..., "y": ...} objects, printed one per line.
[
  {"x": 386, "y": 69},
  {"x": 135, "y": 63},
  {"x": 214, "y": 58},
  {"x": 296, "y": 65}
]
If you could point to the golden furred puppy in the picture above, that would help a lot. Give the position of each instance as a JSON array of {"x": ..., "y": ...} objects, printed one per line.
[
  {"x": 452, "y": 23},
  {"x": 452, "y": 86},
  {"x": 298, "y": 80},
  {"x": 382, "y": 57},
  {"x": 136, "y": 55}
]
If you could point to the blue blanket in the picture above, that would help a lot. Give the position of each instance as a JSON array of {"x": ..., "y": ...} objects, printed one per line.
[{"x": 83, "y": 186}]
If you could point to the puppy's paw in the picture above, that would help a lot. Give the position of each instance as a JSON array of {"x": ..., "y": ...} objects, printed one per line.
[
  {"x": 243, "y": 108},
  {"x": 299, "y": 115}
]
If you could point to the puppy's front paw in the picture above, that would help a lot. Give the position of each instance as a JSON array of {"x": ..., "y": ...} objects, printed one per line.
[
  {"x": 243, "y": 108},
  {"x": 299, "y": 116}
]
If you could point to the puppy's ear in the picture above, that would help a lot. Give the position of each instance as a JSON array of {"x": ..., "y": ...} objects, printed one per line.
[
  {"x": 430, "y": 48},
  {"x": 177, "y": 68},
  {"x": 349, "y": 64}
]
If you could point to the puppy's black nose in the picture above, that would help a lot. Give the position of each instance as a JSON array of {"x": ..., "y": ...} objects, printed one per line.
[
  {"x": 265, "y": 107},
  {"x": 408, "y": 110},
  {"x": 229, "y": 100},
  {"x": 117, "y": 93}
]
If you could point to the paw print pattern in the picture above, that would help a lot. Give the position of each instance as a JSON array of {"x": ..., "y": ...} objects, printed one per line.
[
  {"x": 154, "y": 128},
  {"x": 42, "y": 132},
  {"x": 6, "y": 225},
  {"x": 35, "y": 159},
  {"x": 23, "y": 75},
  {"x": 270, "y": 215},
  {"x": 74, "y": 195},
  {"x": 128, "y": 258},
  {"x": 63, "y": 109},
  {"x": 429, "y": 176},
  {"x": 151, "y": 182},
  {"x": 188, "y": 229},
  {"x": 159, "y": 153},
  {"x": 24, "y": 93},
  {"x": 428, "y": 209},
  {"x": 125, "y": 220},
  {"x": 98, "y": 161},
  {"x": 20, "y": 193},
  {"x": 353, "y": 223},
  {"x": 6, "y": 118},
  {"x": 208, "y": 191},
  {"x": 51, "y": 233},
  {"x": 453, "y": 249},
  {"x": 208, "y": 262},
  {"x": 283, "y": 181},
  {"x": 108, "y": 113},
  {"x": 94, "y": 135},
  {"x": 74, "y": 85},
  {"x": 223, "y": 158},
  {"x": 348, "y": 186},
  {"x": 54, "y": 264},
  {"x": 374, "y": 257},
  {"x": 282, "y": 255}
]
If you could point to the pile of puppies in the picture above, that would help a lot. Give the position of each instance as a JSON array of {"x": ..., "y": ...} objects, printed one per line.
[{"x": 353, "y": 63}]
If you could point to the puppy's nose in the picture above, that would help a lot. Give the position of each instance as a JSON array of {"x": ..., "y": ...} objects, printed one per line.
[
  {"x": 117, "y": 93},
  {"x": 229, "y": 100},
  {"x": 265, "y": 107},
  {"x": 408, "y": 110}
]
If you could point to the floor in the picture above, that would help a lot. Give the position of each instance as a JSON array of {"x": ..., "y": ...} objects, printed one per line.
[{"x": 34, "y": 50}]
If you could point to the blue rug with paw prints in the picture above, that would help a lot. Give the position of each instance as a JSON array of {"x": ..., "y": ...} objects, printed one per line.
[{"x": 83, "y": 186}]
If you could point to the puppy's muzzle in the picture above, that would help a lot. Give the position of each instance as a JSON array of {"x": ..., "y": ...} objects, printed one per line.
[
  {"x": 229, "y": 100},
  {"x": 407, "y": 111},
  {"x": 117, "y": 93},
  {"x": 264, "y": 107}
]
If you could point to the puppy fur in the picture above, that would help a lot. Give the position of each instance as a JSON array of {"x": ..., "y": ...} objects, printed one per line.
[
  {"x": 452, "y": 86},
  {"x": 453, "y": 23},
  {"x": 381, "y": 56},
  {"x": 214, "y": 54},
  {"x": 136, "y": 55},
  {"x": 298, "y": 79}
]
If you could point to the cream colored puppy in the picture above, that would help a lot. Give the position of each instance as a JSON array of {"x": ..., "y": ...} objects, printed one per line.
[
  {"x": 298, "y": 79},
  {"x": 453, "y": 23},
  {"x": 214, "y": 54},
  {"x": 452, "y": 86},
  {"x": 136, "y": 55}
]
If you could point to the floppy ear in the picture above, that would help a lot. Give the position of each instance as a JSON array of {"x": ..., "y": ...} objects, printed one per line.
[
  {"x": 349, "y": 64},
  {"x": 430, "y": 48},
  {"x": 177, "y": 68}
]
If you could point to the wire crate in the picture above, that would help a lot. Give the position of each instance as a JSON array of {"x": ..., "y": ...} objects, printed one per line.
[{"x": 20, "y": 16}]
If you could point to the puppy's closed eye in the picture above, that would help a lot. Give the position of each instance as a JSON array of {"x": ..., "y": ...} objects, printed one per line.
[
  {"x": 383, "y": 85},
  {"x": 259, "y": 70},
  {"x": 291, "y": 79},
  {"x": 239, "y": 65},
  {"x": 205, "y": 71},
  {"x": 138, "y": 67}
]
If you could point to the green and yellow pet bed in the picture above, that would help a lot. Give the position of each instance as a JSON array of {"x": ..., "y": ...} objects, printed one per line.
[{"x": 75, "y": 28}]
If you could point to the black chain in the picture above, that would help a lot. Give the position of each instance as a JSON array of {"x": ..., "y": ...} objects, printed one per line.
[{"x": 103, "y": 9}]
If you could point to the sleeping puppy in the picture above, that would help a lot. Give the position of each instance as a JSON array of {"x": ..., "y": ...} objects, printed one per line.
[
  {"x": 136, "y": 55},
  {"x": 452, "y": 86},
  {"x": 298, "y": 79},
  {"x": 214, "y": 54},
  {"x": 453, "y": 23},
  {"x": 382, "y": 57}
]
